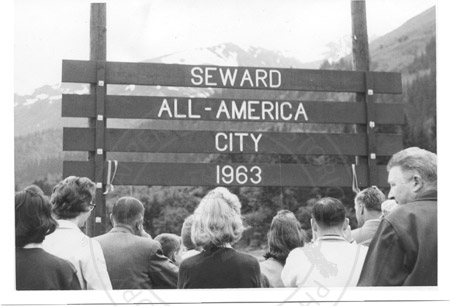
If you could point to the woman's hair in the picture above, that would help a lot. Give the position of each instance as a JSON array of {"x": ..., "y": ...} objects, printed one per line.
[
  {"x": 217, "y": 219},
  {"x": 33, "y": 216},
  {"x": 186, "y": 233},
  {"x": 72, "y": 196},
  {"x": 285, "y": 234}
]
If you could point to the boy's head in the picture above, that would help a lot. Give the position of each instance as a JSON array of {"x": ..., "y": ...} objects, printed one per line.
[{"x": 171, "y": 246}]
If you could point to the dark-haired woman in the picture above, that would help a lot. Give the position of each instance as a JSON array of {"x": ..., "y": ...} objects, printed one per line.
[
  {"x": 72, "y": 201},
  {"x": 285, "y": 234},
  {"x": 35, "y": 268}
]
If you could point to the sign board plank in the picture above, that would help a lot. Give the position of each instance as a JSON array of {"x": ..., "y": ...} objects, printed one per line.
[
  {"x": 203, "y": 174},
  {"x": 180, "y": 141},
  {"x": 210, "y": 109},
  {"x": 231, "y": 77}
]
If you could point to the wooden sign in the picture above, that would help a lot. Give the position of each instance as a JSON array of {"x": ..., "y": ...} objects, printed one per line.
[
  {"x": 98, "y": 139},
  {"x": 206, "y": 174},
  {"x": 230, "y": 77},
  {"x": 213, "y": 109},
  {"x": 172, "y": 141}
]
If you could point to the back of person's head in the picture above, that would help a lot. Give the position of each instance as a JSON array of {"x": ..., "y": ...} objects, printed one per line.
[
  {"x": 217, "y": 219},
  {"x": 285, "y": 234},
  {"x": 34, "y": 189},
  {"x": 225, "y": 194},
  {"x": 328, "y": 212},
  {"x": 33, "y": 216},
  {"x": 417, "y": 160},
  {"x": 170, "y": 244},
  {"x": 186, "y": 233},
  {"x": 371, "y": 198},
  {"x": 72, "y": 196},
  {"x": 127, "y": 210},
  {"x": 387, "y": 206}
]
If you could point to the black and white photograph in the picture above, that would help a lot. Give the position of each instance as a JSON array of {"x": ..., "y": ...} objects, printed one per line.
[{"x": 187, "y": 152}]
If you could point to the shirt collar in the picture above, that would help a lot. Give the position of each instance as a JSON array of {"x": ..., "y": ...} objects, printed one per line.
[
  {"x": 427, "y": 195},
  {"x": 373, "y": 220},
  {"x": 121, "y": 229},
  {"x": 331, "y": 237},
  {"x": 67, "y": 224},
  {"x": 33, "y": 246}
]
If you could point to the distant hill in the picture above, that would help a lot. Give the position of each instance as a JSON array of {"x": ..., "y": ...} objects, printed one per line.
[
  {"x": 38, "y": 121},
  {"x": 411, "y": 50},
  {"x": 398, "y": 49}
]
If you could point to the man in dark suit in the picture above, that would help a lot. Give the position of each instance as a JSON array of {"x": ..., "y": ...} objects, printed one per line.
[
  {"x": 368, "y": 214},
  {"x": 403, "y": 252},
  {"x": 133, "y": 259}
]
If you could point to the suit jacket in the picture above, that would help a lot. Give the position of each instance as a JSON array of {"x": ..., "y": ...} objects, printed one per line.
[
  {"x": 135, "y": 262},
  {"x": 364, "y": 234},
  {"x": 403, "y": 252}
]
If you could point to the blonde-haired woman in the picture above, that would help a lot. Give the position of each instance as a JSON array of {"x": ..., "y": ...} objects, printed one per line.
[{"x": 216, "y": 226}]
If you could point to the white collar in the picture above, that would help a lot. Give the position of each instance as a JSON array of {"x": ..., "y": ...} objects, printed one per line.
[
  {"x": 331, "y": 237},
  {"x": 33, "y": 246},
  {"x": 67, "y": 224},
  {"x": 373, "y": 220}
]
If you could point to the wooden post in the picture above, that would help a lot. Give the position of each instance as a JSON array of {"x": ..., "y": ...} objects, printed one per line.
[
  {"x": 360, "y": 41},
  {"x": 360, "y": 52},
  {"x": 96, "y": 222}
]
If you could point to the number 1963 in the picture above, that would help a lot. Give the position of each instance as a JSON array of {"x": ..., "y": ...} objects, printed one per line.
[{"x": 241, "y": 174}]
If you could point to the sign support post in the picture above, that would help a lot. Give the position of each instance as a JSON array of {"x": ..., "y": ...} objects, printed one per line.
[
  {"x": 97, "y": 221},
  {"x": 361, "y": 59}
]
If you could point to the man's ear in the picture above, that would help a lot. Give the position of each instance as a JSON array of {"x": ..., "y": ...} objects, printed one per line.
[
  {"x": 139, "y": 223},
  {"x": 362, "y": 209},
  {"x": 346, "y": 223},
  {"x": 111, "y": 219},
  {"x": 313, "y": 225},
  {"x": 418, "y": 183}
]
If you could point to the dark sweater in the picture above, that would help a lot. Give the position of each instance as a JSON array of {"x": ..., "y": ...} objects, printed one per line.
[
  {"x": 38, "y": 270},
  {"x": 220, "y": 268}
]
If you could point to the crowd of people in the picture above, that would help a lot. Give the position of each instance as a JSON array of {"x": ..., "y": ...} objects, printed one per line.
[{"x": 394, "y": 245}]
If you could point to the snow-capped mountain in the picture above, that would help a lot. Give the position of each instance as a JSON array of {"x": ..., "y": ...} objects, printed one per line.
[{"x": 42, "y": 109}]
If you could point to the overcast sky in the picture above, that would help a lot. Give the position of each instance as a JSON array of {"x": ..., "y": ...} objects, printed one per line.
[{"x": 47, "y": 31}]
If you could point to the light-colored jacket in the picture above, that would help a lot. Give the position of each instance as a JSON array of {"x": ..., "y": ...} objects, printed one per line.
[
  {"x": 365, "y": 233},
  {"x": 329, "y": 262},
  {"x": 70, "y": 243}
]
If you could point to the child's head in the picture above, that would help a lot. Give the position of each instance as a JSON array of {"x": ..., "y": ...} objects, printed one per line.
[{"x": 171, "y": 246}]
